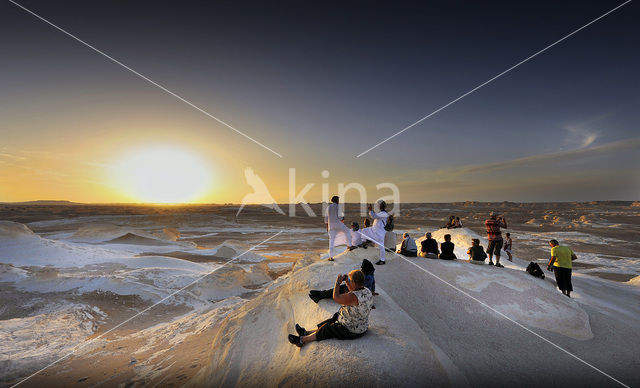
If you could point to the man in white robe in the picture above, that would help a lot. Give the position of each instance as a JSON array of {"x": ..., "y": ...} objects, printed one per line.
[
  {"x": 376, "y": 232},
  {"x": 339, "y": 234}
]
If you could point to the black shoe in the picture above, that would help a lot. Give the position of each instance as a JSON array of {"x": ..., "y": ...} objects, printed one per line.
[
  {"x": 296, "y": 340},
  {"x": 490, "y": 262},
  {"x": 301, "y": 331},
  {"x": 314, "y": 296},
  {"x": 499, "y": 265},
  {"x": 380, "y": 262}
]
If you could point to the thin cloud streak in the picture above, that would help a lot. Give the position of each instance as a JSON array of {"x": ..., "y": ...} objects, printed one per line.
[
  {"x": 457, "y": 176},
  {"x": 552, "y": 157},
  {"x": 11, "y": 156},
  {"x": 581, "y": 137}
]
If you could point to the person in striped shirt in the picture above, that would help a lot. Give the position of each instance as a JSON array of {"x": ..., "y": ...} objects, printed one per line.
[{"x": 493, "y": 225}]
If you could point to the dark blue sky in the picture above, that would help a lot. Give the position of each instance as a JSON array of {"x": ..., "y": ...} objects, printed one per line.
[{"x": 322, "y": 82}]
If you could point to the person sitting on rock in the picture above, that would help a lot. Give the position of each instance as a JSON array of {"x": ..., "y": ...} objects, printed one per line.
[
  {"x": 429, "y": 247},
  {"x": 447, "y": 249},
  {"x": 450, "y": 223},
  {"x": 476, "y": 252},
  {"x": 458, "y": 223},
  {"x": 408, "y": 247},
  {"x": 350, "y": 322},
  {"x": 356, "y": 238},
  {"x": 366, "y": 242},
  {"x": 367, "y": 269}
]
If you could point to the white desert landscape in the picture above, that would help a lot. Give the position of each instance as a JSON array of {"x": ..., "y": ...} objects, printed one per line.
[
  {"x": 173, "y": 173},
  {"x": 73, "y": 275}
]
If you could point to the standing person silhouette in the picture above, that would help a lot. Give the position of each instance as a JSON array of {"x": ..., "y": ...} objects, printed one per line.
[
  {"x": 561, "y": 262},
  {"x": 493, "y": 225},
  {"x": 508, "y": 244},
  {"x": 337, "y": 230},
  {"x": 377, "y": 232}
]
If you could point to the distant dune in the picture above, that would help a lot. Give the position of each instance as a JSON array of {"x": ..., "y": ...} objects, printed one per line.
[{"x": 45, "y": 202}]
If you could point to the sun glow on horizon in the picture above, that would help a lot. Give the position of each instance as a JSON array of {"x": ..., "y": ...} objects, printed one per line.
[{"x": 163, "y": 174}]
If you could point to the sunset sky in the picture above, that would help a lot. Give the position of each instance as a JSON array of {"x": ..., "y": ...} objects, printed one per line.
[{"x": 319, "y": 83}]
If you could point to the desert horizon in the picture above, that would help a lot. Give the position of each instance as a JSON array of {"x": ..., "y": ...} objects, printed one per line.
[{"x": 64, "y": 202}]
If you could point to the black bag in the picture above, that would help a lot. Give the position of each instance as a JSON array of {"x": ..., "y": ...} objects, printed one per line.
[
  {"x": 388, "y": 226},
  {"x": 534, "y": 270}
]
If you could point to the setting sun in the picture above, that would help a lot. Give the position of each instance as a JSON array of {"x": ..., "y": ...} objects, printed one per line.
[{"x": 163, "y": 174}]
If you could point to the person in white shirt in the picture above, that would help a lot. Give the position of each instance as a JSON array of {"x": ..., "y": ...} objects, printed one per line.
[
  {"x": 376, "y": 232},
  {"x": 339, "y": 234},
  {"x": 356, "y": 238},
  {"x": 408, "y": 247}
]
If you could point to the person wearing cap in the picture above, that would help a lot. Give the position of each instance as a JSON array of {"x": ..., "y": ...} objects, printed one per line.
[
  {"x": 493, "y": 225},
  {"x": 408, "y": 247}
]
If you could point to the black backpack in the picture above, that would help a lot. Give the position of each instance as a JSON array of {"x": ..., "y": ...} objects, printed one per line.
[
  {"x": 534, "y": 270},
  {"x": 388, "y": 226}
]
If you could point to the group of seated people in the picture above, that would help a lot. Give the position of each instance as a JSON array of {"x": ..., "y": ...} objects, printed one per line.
[
  {"x": 356, "y": 237},
  {"x": 428, "y": 247},
  {"x": 453, "y": 223}
]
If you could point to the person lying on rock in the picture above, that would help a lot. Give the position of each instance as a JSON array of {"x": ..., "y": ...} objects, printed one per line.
[
  {"x": 369, "y": 282},
  {"x": 350, "y": 322}
]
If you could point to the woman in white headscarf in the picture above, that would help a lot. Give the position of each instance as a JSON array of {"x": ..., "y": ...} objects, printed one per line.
[{"x": 376, "y": 232}]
